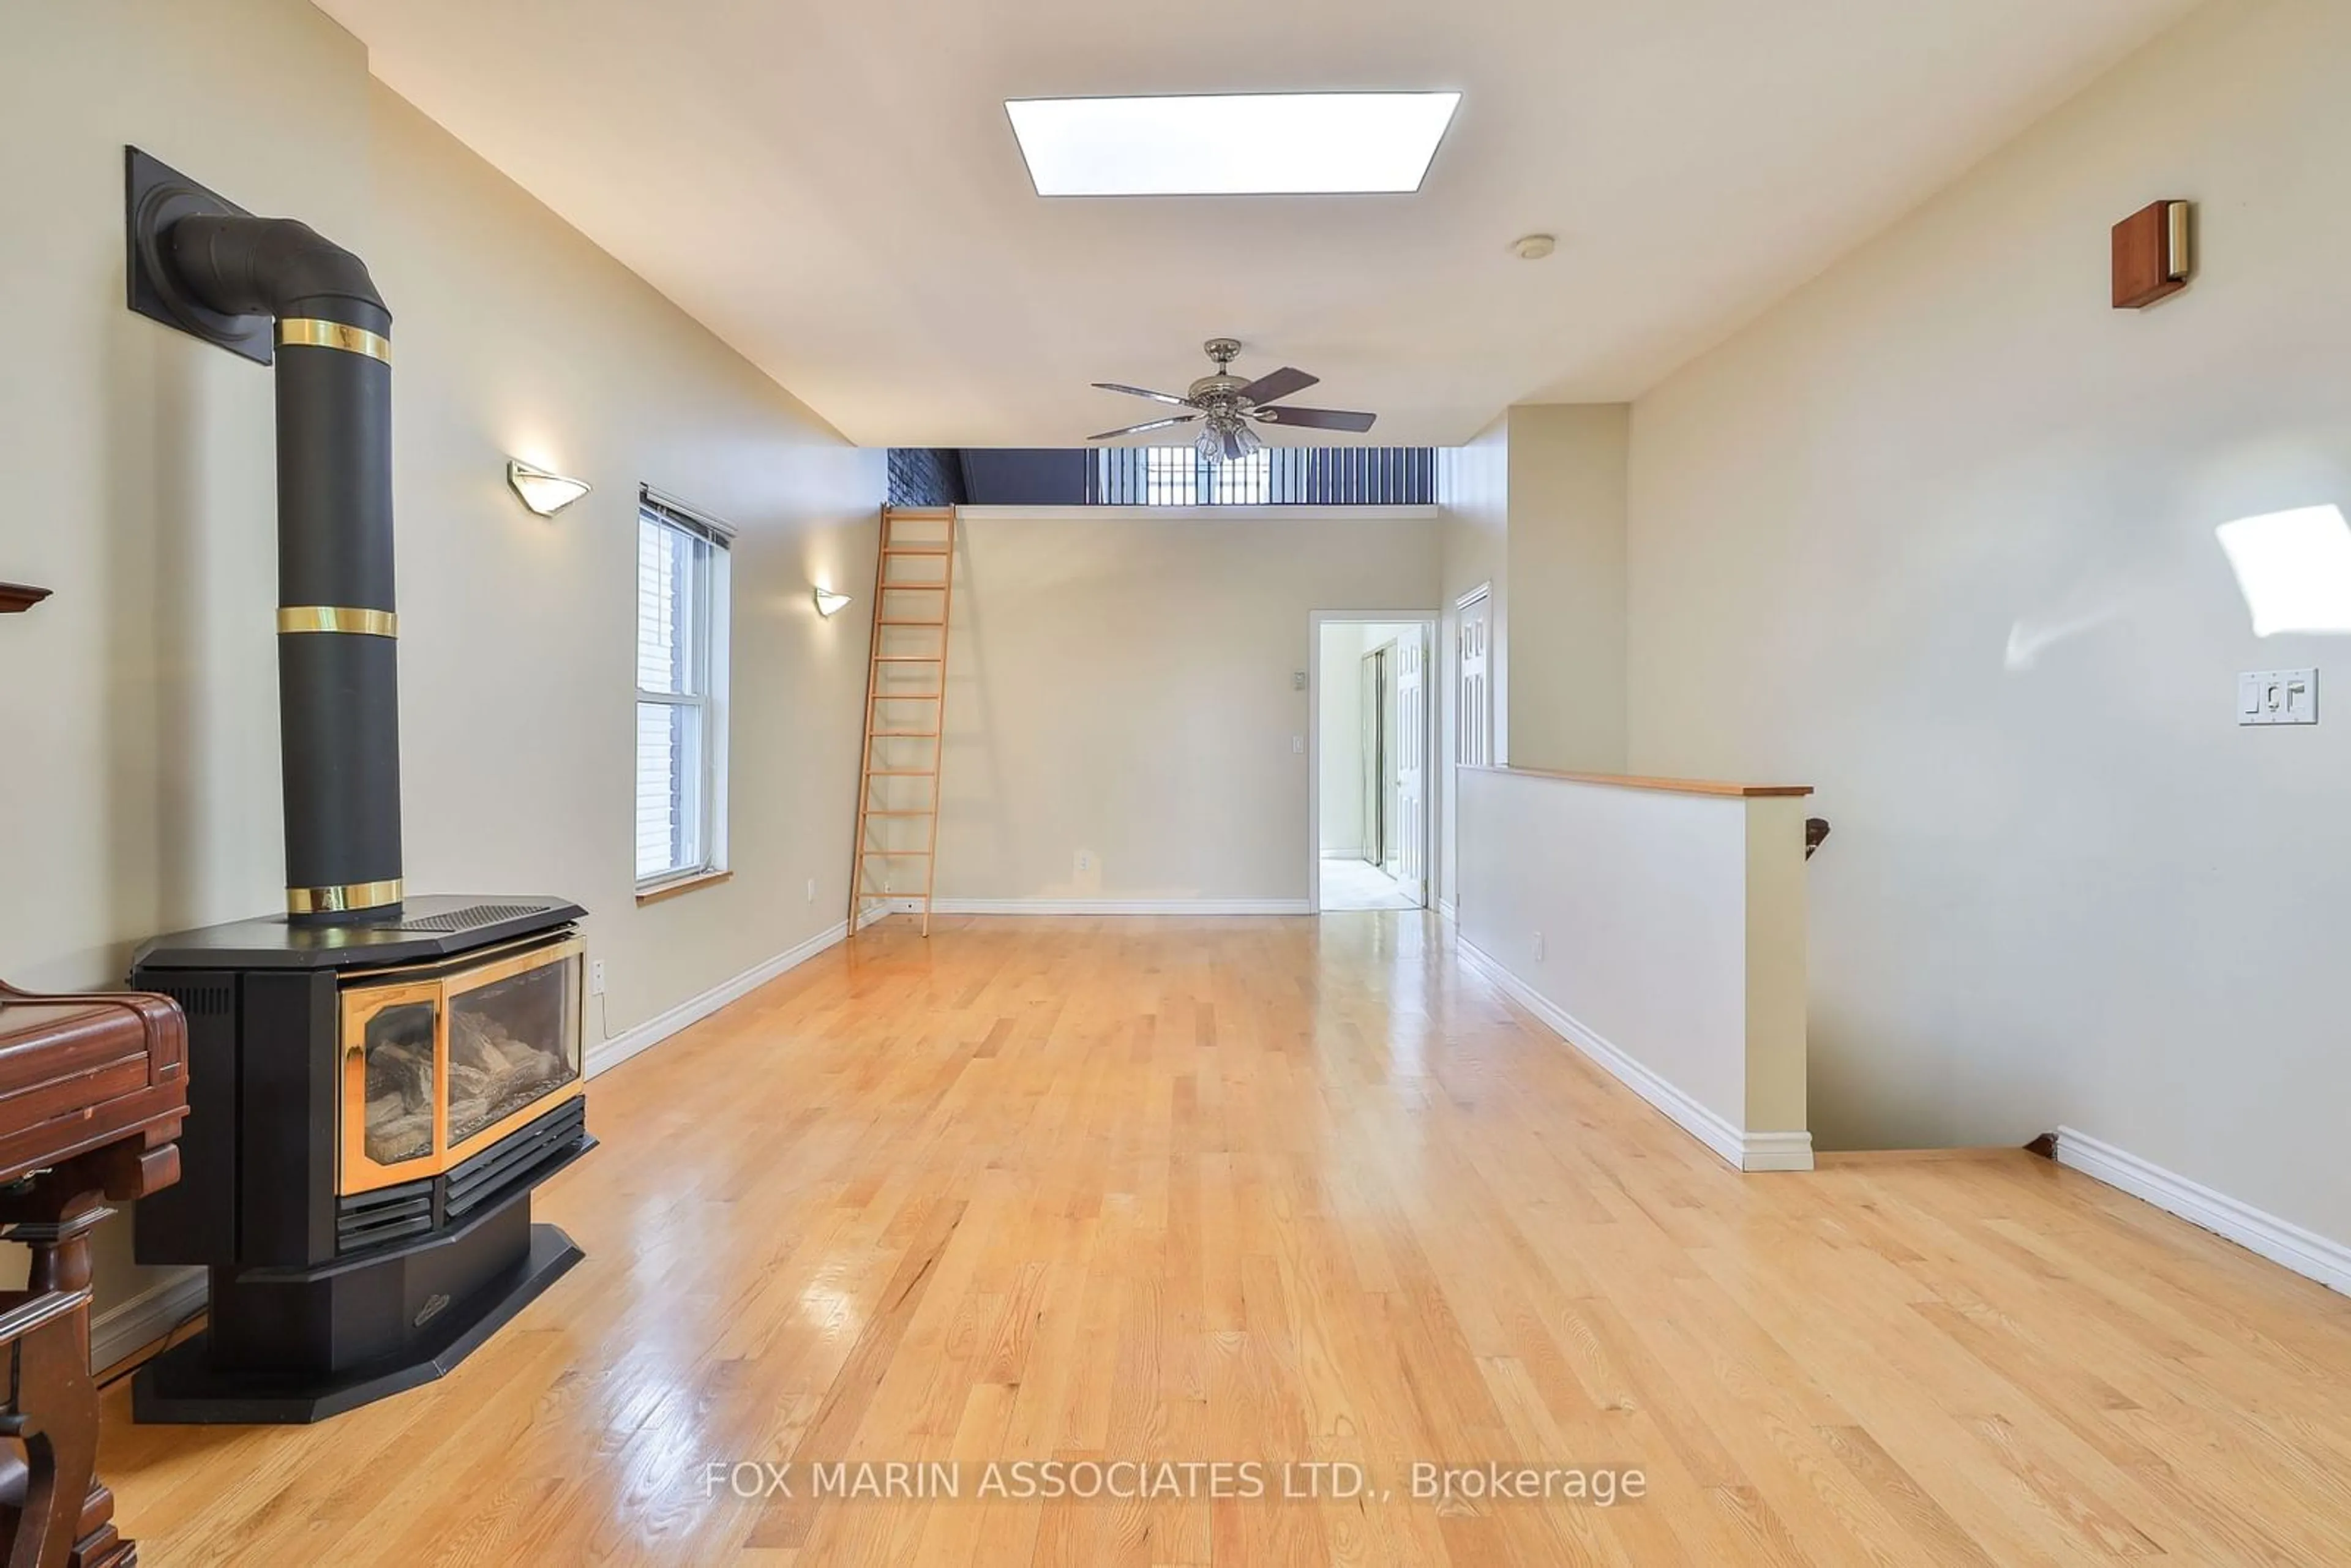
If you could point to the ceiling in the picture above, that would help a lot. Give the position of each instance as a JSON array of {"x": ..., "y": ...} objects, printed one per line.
[{"x": 834, "y": 189}]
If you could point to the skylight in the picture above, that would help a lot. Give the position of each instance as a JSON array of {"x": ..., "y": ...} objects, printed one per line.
[{"x": 1282, "y": 143}]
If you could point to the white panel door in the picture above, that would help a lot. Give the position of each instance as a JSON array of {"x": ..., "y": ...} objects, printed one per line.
[
  {"x": 1474, "y": 704},
  {"x": 1411, "y": 744}
]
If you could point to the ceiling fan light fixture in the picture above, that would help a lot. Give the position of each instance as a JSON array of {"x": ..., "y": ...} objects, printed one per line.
[{"x": 1229, "y": 406}]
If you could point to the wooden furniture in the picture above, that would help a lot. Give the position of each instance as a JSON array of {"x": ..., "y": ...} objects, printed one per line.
[
  {"x": 92, "y": 1092},
  {"x": 16, "y": 596},
  {"x": 914, "y": 595}
]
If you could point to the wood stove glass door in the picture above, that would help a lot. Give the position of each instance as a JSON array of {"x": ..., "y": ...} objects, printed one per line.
[
  {"x": 514, "y": 1043},
  {"x": 393, "y": 1062}
]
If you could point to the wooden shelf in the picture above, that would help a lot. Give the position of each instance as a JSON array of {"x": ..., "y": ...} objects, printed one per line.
[{"x": 19, "y": 596}]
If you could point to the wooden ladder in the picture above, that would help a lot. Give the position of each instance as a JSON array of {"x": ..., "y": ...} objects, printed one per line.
[{"x": 898, "y": 773}]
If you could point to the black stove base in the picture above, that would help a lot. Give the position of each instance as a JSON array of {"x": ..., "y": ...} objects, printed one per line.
[{"x": 188, "y": 1384}]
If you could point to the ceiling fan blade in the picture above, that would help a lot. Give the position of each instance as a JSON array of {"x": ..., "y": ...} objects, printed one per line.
[
  {"x": 1284, "y": 382},
  {"x": 1142, "y": 392},
  {"x": 1139, "y": 428},
  {"x": 1318, "y": 418}
]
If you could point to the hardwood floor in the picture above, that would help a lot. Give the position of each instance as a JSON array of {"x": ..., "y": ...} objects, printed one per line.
[{"x": 1286, "y": 1190}]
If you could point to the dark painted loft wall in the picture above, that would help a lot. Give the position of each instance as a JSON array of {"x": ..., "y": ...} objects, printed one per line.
[
  {"x": 926, "y": 476},
  {"x": 1025, "y": 477},
  {"x": 987, "y": 477}
]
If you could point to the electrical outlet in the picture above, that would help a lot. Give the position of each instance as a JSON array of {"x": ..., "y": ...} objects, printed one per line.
[
  {"x": 1298, "y": 746},
  {"x": 1539, "y": 946},
  {"x": 595, "y": 976},
  {"x": 1297, "y": 680},
  {"x": 811, "y": 890}
]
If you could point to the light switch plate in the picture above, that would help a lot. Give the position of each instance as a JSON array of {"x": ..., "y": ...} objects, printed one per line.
[{"x": 2277, "y": 696}]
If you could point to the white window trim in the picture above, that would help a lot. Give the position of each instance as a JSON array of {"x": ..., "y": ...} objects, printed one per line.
[{"x": 713, "y": 652}]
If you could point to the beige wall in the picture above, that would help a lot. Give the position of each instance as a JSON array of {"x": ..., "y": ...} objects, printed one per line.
[
  {"x": 1566, "y": 564},
  {"x": 141, "y": 784},
  {"x": 1121, "y": 688},
  {"x": 1475, "y": 495},
  {"x": 1937, "y": 534},
  {"x": 1340, "y": 821},
  {"x": 1535, "y": 506}
]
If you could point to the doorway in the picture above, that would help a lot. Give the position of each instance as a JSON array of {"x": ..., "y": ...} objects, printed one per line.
[{"x": 1369, "y": 818}]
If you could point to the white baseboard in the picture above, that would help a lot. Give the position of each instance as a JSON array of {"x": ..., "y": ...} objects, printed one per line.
[
  {"x": 1121, "y": 907},
  {"x": 2280, "y": 1242},
  {"x": 1775, "y": 1152},
  {"x": 1445, "y": 909},
  {"x": 127, "y": 1327},
  {"x": 1743, "y": 1150},
  {"x": 611, "y": 1053}
]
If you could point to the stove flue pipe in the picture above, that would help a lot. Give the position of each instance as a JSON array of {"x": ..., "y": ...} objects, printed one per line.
[{"x": 338, "y": 694}]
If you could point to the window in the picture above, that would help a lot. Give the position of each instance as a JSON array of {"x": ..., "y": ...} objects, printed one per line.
[
  {"x": 682, "y": 638},
  {"x": 1269, "y": 476}
]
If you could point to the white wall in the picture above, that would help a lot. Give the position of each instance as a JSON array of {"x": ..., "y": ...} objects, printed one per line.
[
  {"x": 1936, "y": 534},
  {"x": 1120, "y": 688},
  {"x": 1663, "y": 933},
  {"x": 140, "y": 792}
]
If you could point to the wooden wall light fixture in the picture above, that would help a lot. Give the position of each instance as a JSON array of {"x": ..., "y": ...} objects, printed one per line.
[{"x": 2153, "y": 255}]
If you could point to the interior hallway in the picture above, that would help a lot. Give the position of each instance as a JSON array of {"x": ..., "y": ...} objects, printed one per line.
[
  {"x": 1356, "y": 885},
  {"x": 1235, "y": 1188}
]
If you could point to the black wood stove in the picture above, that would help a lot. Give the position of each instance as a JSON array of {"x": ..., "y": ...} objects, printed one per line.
[{"x": 376, "y": 1082}]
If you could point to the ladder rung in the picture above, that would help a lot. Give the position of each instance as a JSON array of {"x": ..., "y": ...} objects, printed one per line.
[
  {"x": 895, "y": 854},
  {"x": 902, "y": 549},
  {"x": 902, "y": 773},
  {"x": 904, "y": 734},
  {"x": 908, "y": 659},
  {"x": 914, "y": 588},
  {"x": 931, "y": 623},
  {"x": 901, "y": 813}
]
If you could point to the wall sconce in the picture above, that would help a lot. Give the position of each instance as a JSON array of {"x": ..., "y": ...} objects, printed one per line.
[
  {"x": 829, "y": 603},
  {"x": 544, "y": 493}
]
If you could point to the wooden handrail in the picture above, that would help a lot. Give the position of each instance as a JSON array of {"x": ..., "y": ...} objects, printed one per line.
[{"x": 1658, "y": 786}]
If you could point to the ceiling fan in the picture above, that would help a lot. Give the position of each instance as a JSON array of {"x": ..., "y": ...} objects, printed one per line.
[{"x": 1231, "y": 406}]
